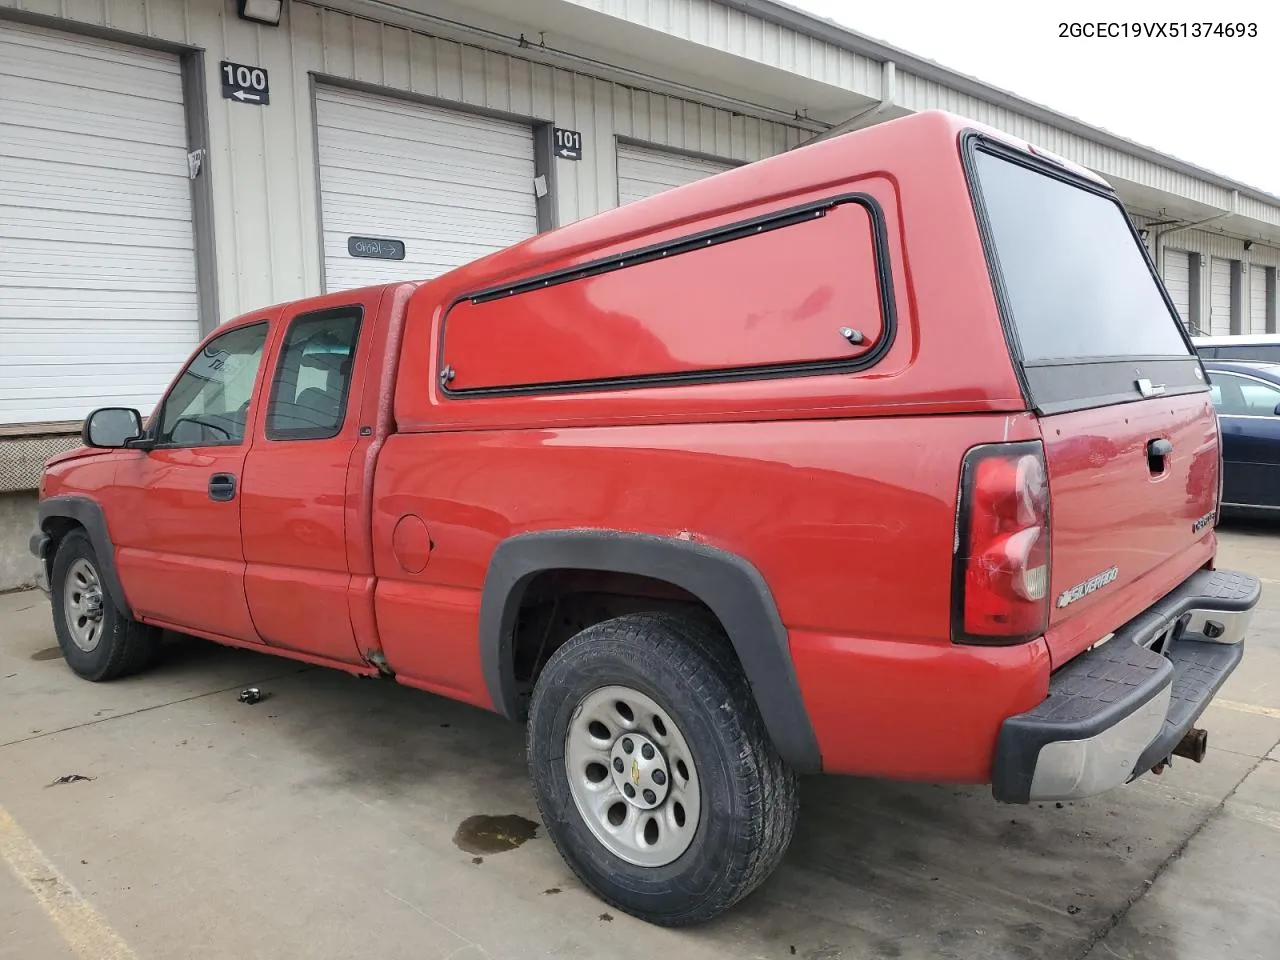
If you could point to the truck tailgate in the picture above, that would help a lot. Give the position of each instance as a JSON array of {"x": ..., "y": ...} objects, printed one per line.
[{"x": 1124, "y": 515}]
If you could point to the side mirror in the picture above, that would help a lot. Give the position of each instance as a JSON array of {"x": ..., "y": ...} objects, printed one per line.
[
  {"x": 1276, "y": 411},
  {"x": 111, "y": 428}
]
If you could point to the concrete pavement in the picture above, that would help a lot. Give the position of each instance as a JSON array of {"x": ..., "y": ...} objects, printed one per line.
[{"x": 321, "y": 823}]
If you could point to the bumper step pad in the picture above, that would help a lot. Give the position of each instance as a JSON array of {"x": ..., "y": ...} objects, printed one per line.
[
  {"x": 1087, "y": 697},
  {"x": 1117, "y": 710},
  {"x": 1199, "y": 670}
]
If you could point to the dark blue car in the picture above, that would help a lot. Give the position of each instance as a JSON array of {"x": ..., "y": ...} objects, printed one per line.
[{"x": 1247, "y": 396}]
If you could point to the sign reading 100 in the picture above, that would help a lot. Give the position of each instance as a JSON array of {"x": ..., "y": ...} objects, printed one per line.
[{"x": 245, "y": 83}]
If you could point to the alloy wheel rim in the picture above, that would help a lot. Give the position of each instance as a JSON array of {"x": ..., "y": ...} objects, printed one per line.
[
  {"x": 632, "y": 776},
  {"x": 82, "y": 603}
]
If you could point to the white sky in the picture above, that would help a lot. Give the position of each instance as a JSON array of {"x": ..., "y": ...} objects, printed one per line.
[{"x": 1213, "y": 102}]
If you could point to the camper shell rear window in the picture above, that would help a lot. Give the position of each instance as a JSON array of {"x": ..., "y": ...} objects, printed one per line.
[{"x": 1084, "y": 311}]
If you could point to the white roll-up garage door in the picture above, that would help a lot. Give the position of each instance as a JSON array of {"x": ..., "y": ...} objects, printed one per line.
[
  {"x": 1219, "y": 297},
  {"x": 1177, "y": 280},
  {"x": 98, "y": 300},
  {"x": 1257, "y": 299},
  {"x": 646, "y": 171},
  {"x": 450, "y": 186}
]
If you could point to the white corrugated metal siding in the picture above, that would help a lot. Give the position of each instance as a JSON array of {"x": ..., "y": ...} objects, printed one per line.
[
  {"x": 646, "y": 171},
  {"x": 97, "y": 258},
  {"x": 742, "y": 34},
  {"x": 1177, "y": 279},
  {"x": 451, "y": 186},
  {"x": 1219, "y": 297},
  {"x": 1258, "y": 299},
  {"x": 728, "y": 29},
  {"x": 263, "y": 160},
  {"x": 1210, "y": 245},
  {"x": 918, "y": 93}
]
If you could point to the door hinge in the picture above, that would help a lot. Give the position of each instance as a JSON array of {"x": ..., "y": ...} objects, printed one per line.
[{"x": 195, "y": 161}]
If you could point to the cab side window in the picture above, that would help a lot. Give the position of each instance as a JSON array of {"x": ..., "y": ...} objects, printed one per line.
[
  {"x": 313, "y": 376},
  {"x": 209, "y": 404}
]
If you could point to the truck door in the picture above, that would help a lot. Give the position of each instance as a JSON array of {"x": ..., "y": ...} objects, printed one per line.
[
  {"x": 177, "y": 517},
  {"x": 294, "y": 504},
  {"x": 1247, "y": 409}
]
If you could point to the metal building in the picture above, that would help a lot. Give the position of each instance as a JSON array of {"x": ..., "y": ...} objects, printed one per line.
[{"x": 167, "y": 164}]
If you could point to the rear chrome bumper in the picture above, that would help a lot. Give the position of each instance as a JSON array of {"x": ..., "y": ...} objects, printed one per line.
[{"x": 1116, "y": 711}]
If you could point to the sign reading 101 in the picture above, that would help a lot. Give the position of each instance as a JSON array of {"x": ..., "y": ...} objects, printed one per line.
[
  {"x": 568, "y": 144},
  {"x": 244, "y": 83}
]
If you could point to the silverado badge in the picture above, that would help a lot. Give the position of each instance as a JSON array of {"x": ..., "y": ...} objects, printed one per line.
[{"x": 1096, "y": 582}]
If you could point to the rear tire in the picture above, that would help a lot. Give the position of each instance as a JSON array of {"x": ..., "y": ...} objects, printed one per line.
[
  {"x": 98, "y": 640},
  {"x": 711, "y": 807}
]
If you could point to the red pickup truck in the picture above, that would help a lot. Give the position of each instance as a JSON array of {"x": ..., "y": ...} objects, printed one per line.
[{"x": 887, "y": 456}]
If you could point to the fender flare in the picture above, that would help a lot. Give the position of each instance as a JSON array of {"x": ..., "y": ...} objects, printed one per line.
[
  {"x": 89, "y": 515},
  {"x": 729, "y": 585}
]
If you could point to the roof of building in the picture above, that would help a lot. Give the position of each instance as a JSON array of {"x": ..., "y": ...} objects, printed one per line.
[{"x": 829, "y": 30}]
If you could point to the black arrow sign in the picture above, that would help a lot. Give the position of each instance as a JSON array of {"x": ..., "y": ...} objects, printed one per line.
[
  {"x": 245, "y": 84},
  {"x": 568, "y": 144}
]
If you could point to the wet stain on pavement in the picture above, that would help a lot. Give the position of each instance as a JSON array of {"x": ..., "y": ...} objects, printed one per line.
[
  {"x": 488, "y": 834},
  {"x": 50, "y": 653}
]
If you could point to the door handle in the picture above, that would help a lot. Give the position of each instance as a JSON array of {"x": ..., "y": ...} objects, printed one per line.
[
  {"x": 1157, "y": 450},
  {"x": 222, "y": 487}
]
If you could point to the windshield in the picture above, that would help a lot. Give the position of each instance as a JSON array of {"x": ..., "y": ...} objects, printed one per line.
[{"x": 1077, "y": 283}]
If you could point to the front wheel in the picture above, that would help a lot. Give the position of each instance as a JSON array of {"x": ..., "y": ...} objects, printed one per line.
[
  {"x": 97, "y": 639},
  {"x": 653, "y": 771}
]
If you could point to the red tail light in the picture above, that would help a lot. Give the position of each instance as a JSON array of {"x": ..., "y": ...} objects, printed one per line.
[{"x": 1000, "y": 575}]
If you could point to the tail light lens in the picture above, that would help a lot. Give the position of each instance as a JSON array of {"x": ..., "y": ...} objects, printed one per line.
[{"x": 1000, "y": 574}]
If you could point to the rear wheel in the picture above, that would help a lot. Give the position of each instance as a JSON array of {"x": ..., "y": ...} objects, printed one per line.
[
  {"x": 653, "y": 771},
  {"x": 97, "y": 639}
]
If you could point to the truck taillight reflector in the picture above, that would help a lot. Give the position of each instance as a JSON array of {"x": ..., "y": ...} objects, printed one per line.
[{"x": 1000, "y": 574}]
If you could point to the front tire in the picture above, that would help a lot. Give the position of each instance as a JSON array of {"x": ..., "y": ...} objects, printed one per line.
[
  {"x": 98, "y": 640},
  {"x": 653, "y": 772}
]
